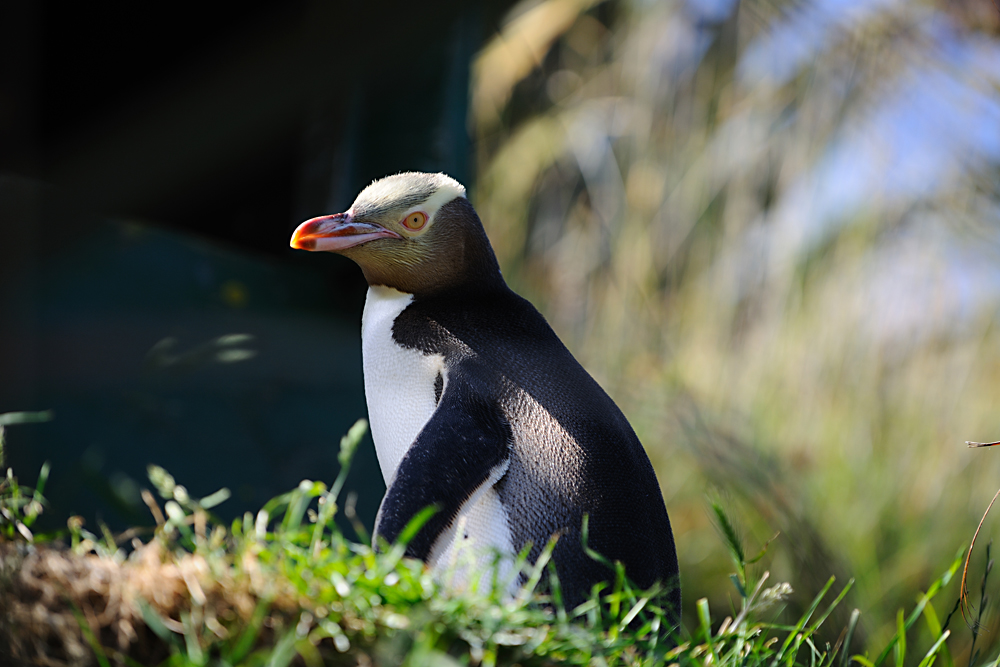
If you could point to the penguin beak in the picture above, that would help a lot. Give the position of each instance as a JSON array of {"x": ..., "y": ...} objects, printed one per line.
[{"x": 333, "y": 233}]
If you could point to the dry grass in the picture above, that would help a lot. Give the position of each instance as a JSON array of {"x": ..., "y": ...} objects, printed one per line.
[{"x": 57, "y": 603}]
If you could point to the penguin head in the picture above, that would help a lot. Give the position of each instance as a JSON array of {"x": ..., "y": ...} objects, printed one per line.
[{"x": 414, "y": 232}]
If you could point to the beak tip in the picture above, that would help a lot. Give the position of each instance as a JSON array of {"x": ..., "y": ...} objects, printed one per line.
[
  {"x": 304, "y": 236},
  {"x": 303, "y": 243}
]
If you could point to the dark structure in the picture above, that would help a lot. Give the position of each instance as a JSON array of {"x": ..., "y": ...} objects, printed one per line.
[{"x": 152, "y": 167}]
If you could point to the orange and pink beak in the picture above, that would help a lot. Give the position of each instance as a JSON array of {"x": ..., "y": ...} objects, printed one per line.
[{"x": 333, "y": 233}]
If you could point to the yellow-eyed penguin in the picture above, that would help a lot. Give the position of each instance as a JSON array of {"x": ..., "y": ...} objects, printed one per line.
[{"x": 478, "y": 408}]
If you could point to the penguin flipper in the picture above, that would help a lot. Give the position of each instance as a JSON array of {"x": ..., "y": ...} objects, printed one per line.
[{"x": 464, "y": 445}]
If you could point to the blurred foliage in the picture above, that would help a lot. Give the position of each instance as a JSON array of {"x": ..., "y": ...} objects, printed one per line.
[{"x": 772, "y": 231}]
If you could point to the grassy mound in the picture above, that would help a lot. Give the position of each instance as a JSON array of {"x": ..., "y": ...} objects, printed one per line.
[{"x": 286, "y": 586}]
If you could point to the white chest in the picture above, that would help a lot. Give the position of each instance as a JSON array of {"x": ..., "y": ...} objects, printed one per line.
[
  {"x": 399, "y": 382},
  {"x": 399, "y": 388}
]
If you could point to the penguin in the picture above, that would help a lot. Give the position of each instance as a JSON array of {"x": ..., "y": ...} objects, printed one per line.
[{"x": 477, "y": 408}]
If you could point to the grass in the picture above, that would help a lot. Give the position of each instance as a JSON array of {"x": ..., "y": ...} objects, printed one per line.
[{"x": 287, "y": 586}]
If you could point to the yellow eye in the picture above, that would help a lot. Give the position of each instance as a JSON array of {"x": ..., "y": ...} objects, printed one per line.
[{"x": 415, "y": 221}]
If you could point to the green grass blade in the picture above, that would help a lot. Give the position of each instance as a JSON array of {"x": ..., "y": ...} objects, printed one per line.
[
  {"x": 852, "y": 623},
  {"x": 585, "y": 540},
  {"x": 43, "y": 477},
  {"x": 217, "y": 498},
  {"x": 298, "y": 503},
  {"x": 900, "y": 639},
  {"x": 247, "y": 640},
  {"x": 833, "y": 605},
  {"x": 934, "y": 626},
  {"x": 794, "y": 632},
  {"x": 348, "y": 446},
  {"x": 192, "y": 644},
  {"x": 633, "y": 612},
  {"x": 416, "y": 523},
  {"x": 705, "y": 621},
  {"x": 95, "y": 646},
  {"x": 536, "y": 571},
  {"x": 557, "y": 597},
  {"x": 921, "y": 604},
  {"x": 284, "y": 652},
  {"x": 929, "y": 657}
]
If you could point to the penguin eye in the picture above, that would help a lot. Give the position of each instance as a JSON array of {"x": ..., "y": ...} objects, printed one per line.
[{"x": 415, "y": 221}]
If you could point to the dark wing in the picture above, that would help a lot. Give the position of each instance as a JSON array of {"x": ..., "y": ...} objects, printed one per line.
[{"x": 466, "y": 440}]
